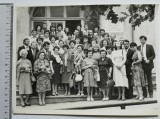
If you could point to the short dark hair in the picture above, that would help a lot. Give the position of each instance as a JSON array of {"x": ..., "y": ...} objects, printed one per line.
[
  {"x": 133, "y": 44},
  {"x": 56, "y": 47},
  {"x": 72, "y": 41},
  {"x": 33, "y": 30},
  {"x": 80, "y": 46},
  {"x": 89, "y": 50},
  {"x": 61, "y": 41},
  {"x": 125, "y": 41},
  {"x": 65, "y": 46},
  {"x": 96, "y": 26},
  {"x": 145, "y": 38},
  {"x": 109, "y": 47},
  {"x": 105, "y": 34},
  {"x": 52, "y": 37},
  {"x": 40, "y": 52},
  {"x": 46, "y": 31},
  {"x": 52, "y": 26},
  {"x": 38, "y": 26},
  {"x": 102, "y": 30},
  {"x": 39, "y": 38},
  {"x": 59, "y": 25},
  {"x": 103, "y": 51},
  {"x": 46, "y": 43},
  {"x": 24, "y": 40}
]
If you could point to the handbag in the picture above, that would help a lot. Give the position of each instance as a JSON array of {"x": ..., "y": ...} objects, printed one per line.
[
  {"x": 97, "y": 76},
  {"x": 78, "y": 77},
  {"x": 33, "y": 78},
  {"x": 110, "y": 83}
]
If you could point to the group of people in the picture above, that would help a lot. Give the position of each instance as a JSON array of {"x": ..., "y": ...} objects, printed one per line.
[{"x": 89, "y": 59}]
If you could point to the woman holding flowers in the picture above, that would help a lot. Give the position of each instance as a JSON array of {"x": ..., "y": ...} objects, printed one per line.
[
  {"x": 24, "y": 70},
  {"x": 42, "y": 70}
]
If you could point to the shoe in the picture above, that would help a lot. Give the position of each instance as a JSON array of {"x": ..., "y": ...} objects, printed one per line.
[
  {"x": 57, "y": 94},
  {"x": 27, "y": 104},
  {"x": 23, "y": 105},
  {"x": 141, "y": 99},
  {"x": 92, "y": 99},
  {"x": 88, "y": 99},
  {"x": 103, "y": 99},
  {"x": 79, "y": 94},
  {"x": 107, "y": 98},
  {"x": 119, "y": 98},
  {"x": 151, "y": 96},
  {"x": 137, "y": 97},
  {"x": 53, "y": 94},
  {"x": 123, "y": 99},
  {"x": 82, "y": 93}
]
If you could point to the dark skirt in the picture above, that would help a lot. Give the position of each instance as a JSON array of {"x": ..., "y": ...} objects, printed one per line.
[
  {"x": 56, "y": 76},
  {"x": 103, "y": 79}
]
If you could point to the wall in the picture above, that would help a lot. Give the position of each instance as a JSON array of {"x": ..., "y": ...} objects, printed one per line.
[{"x": 22, "y": 25}]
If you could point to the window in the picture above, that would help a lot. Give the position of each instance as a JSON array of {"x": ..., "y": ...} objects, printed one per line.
[
  {"x": 37, "y": 23},
  {"x": 39, "y": 12},
  {"x": 73, "y": 11},
  {"x": 56, "y": 23},
  {"x": 57, "y": 11}
]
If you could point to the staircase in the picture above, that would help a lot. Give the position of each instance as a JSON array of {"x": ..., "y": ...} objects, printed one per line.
[{"x": 61, "y": 98}]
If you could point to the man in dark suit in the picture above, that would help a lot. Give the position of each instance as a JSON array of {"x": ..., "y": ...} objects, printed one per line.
[
  {"x": 129, "y": 91},
  {"x": 148, "y": 56},
  {"x": 45, "y": 49},
  {"x": 34, "y": 52},
  {"x": 27, "y": 47}
]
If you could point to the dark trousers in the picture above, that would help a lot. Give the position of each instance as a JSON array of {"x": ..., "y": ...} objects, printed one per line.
[
  {"x": 148, "y": 77},
  {"x": 34, "y": 88},
  {"x": 129, "y": 90}
]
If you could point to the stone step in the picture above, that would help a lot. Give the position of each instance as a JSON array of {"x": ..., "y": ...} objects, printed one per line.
[{"x": 58, "y": 99}]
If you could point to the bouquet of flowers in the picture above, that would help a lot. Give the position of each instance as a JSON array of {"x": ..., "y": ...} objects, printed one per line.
[{"x": 25, "y": 69}]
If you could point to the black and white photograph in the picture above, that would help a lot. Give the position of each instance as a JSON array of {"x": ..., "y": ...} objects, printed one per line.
[{"x": 86, "y": 60}]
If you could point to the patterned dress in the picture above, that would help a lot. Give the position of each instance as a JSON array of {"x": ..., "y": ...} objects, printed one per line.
[
  {"x": 43, "y": 80},
  {"x": 137, "y": 72},
  {"x": 104, "y": 66},
  {"x": 89, "y": 80},
  {"x": 24, "y": 76}
]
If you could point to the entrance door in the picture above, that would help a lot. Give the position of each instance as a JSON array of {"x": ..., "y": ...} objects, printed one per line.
[{"x": 72, "y": 24}]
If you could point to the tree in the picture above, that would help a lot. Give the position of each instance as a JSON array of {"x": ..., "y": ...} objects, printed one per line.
[{"x": 136, "y": 13}]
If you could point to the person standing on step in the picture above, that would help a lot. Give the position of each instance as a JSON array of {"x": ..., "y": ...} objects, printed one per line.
[
  {"x": 148, "y": 56},
  {"x": 105, "y": 71},
  {"x": 42, "y": 70},
  {"x": 55, "y": 63},
  {"x": 137, "y": 71},
  {"x": 24, "y": 71},
  {"x": 89, "y": 80},
  {"x": 67, "y": 68},
  {"x": 129, "y": 60}
]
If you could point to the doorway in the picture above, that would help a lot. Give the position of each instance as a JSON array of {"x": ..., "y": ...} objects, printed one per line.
[{"x": 72, "y": 24}]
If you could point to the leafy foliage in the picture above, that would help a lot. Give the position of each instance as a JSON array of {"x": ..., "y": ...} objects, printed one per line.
[{"x": 136, "y": 13}]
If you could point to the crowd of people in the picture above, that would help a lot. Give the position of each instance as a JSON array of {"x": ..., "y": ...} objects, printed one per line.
[{"x": 90, "y": 60}]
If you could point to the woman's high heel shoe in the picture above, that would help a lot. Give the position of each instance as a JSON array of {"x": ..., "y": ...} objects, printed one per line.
[
  {"x": 119, "y": 98},
  {"x": 123, "y": 98},
  {"x": 23, "y": 105},
  {"x": 141, "y": 98}
]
